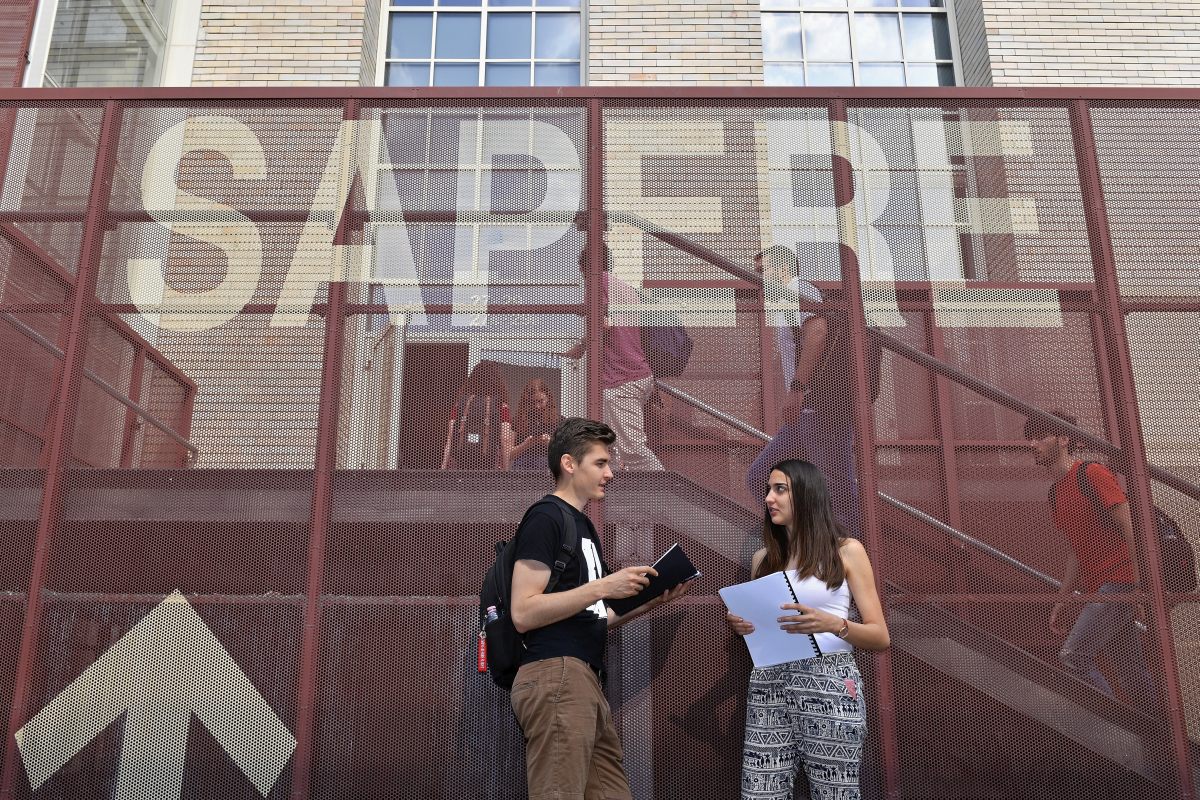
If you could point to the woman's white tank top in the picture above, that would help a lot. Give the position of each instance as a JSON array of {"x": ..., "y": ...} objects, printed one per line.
[{"x": 836, "y": 602}]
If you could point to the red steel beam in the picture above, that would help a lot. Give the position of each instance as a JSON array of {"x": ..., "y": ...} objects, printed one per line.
[
  {"x": 1130, "y": 427},
  {"x": 574, "y": 96},
  {"x": 61, "y": 436},
  {"x": 594, "y": 319},
  {"x": 1104, "y": 381},
  {"x": 595, "y": 265},
  {"x": 864, "y": 431},
  {"x": 328, "y": 409}
]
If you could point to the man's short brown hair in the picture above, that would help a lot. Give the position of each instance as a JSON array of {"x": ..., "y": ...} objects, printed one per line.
[
  {"x": 576, "y": 435},
  {"x": 1039, "y": 428}
]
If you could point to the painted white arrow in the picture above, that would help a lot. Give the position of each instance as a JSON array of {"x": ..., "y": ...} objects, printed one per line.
[{"x": 167, "y": 668}]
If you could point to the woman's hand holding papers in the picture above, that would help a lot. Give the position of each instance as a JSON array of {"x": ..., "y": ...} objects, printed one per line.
[
  {"x": 740, "y": 626},
  {"x": 808, "y": 620}
]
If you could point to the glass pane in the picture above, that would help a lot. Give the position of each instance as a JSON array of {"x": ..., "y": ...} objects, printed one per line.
[
  {"x": 781, "y": 37},
  {"x": 401, "y": 74},
  {"x": 881, "y": 74},
  {"x": 830, "y": 75},
  {"x": 506, "y": 75},
  {"x": 926, "y": 36},
  {"x": 930, "y": 75},
  {"x": 923, "y": 3},
  {"x": 510, "y": 3},
  {"x": 509, "y": 35},
  {"x": 768, "y": 4},
  {"x": 556, "y": 75},
  {"x": 557, "y": 36},
  {"x": 875, "y": 3},
  {"x": 456, "y": 75},
  {"x": 783, "y": 74},
  {"x": 103, "y": 43},
  {"x": 827, "y": 37},
  {"x": 877, "y": 36},
  {"x": 458, "y": 36},
  {"x": 410, "y": 35},
  {"x": 475, "y": 3},
  {"x": 559, "y": 3}
]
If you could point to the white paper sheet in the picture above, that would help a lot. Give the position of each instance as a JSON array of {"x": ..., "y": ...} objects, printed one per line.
[{"x": 758, "y": 602}]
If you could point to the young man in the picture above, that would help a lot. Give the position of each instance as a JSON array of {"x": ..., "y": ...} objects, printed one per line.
[
  {"x": 1100, "y": 562},
  {"x": 571, "y": 747},
  {"x": 818, "y": 423}
]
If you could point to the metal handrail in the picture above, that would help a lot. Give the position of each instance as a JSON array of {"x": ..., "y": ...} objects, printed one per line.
[
  {"x": 104, "y": 385},
  {"x": 991, "y": 392},
  {"x": 965, "y": 538}
]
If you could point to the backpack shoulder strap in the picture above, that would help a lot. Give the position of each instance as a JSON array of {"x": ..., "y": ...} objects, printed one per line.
[
  {"x": 568, "y": 540},
  {"x": 1088, "y": 490}
]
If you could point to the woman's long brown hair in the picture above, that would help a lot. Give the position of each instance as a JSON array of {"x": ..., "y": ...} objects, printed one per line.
[
  {"x": 525, "y": 409},
  {"x": 816, "y": 544}
]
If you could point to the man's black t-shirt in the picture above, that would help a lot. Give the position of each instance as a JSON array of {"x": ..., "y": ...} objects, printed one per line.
[{"x": 582, "y": 635}]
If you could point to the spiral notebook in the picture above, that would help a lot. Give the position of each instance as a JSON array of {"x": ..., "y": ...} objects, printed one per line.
[{"x": 758, "y": 602}]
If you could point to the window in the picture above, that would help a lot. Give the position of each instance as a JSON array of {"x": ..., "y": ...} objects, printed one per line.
[
  {"x": 108, "y": 42},
  {"x": 856, "y": 43},
  {"x": 483, "y": 43}
]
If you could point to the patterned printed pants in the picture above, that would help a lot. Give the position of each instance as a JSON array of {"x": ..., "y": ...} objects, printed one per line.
[{"x": 808, "y": 713}]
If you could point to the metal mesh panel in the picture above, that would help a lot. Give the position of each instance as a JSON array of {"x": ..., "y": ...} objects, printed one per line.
[
  {"x": 1149, "y": 164},
  {"x": 100, "y": 421},
  {"x": 47, "y": 171},
  {"x": 167, "y": 401},
  {"x": 169, "y": 529},
  {"x": 31, "y": 371}
]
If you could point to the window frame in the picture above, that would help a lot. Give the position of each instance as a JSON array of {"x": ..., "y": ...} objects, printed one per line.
[
  {"x": 483, "y": 8},
  {"x": 164, "y": 29},
  {"x": 848, "y": 9}
]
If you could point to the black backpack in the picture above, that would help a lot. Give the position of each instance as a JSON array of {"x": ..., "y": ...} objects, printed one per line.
[
  {"x": 474, "y": 439},
  {"x": 666, "y": 344},
  {"x": 1178, "y": 558},
  {"x": 505, "y": 646},
  {"x": 831, "y": 379}
]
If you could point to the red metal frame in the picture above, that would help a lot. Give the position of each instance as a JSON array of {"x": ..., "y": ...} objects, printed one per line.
[
  {"x": 864, "y": 432},
  {"x": 323, "y": 469},
  {"x": 58, "y": 447},
  {"x": 594, "y": 322},
  {"x": 572, "y": 95}
]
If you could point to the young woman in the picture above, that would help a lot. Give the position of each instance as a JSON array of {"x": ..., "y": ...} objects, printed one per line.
[
  {"x": 810, "y": 713},
  {"x": 537, "y": 417}
]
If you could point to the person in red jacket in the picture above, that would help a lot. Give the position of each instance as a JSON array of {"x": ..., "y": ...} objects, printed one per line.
[{"x": 1101, "y": 562}]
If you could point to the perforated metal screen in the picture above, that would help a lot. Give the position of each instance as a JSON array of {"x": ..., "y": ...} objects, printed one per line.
[{"x": 244, "y": 537}]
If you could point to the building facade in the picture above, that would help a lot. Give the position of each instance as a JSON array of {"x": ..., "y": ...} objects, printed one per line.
[{"x": 235, "y": 316}]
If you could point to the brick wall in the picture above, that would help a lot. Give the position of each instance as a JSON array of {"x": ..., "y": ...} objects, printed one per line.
[
  {"x": 674, "y": 41},
  {"x": 280, "y": 43},
  {"x": 1106, "y": 42}
]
